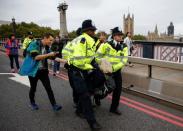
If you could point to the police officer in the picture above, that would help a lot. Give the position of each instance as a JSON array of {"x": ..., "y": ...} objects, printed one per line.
[
  {"x": 26, "y": 42},
  {"x": 80, "y": 60},
  {"x": 116, "y": 53}
]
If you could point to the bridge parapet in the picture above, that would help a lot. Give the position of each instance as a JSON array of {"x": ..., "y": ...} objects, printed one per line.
[{"x": 157, "y": 78}]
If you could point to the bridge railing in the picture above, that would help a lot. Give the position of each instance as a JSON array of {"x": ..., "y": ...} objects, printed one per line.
[{"x": 167, "y": 51}]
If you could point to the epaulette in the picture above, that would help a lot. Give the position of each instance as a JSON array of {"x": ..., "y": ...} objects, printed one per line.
[{"x": 83, "y": 40}]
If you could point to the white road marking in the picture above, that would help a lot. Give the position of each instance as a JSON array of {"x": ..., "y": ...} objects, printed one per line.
[{"x": 18, "y": 78}]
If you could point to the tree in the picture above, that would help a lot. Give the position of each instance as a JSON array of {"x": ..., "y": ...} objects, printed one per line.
[
  {"x": 139, "y": 37},
  {"x": 23, "y": 28},
  {"x": 72, "y": 34}
]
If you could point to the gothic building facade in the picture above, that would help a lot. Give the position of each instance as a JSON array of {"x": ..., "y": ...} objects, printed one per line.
[{"x": 128, "y": 24}]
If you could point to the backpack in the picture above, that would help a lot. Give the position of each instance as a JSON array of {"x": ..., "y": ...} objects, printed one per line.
[
  {"x": 105, "y": 89},
  {"x": 103, "y": 84}
]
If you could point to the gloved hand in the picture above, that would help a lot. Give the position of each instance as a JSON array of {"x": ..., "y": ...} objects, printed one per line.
[{"x": 66, "y": 66}]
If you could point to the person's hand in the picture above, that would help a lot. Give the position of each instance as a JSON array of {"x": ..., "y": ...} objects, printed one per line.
[
  {"x": 60, "y": 60},
  {"x": 51, "y": 54}
]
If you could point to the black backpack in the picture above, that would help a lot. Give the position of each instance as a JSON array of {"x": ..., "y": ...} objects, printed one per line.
[{"x": 106, "y": 88}]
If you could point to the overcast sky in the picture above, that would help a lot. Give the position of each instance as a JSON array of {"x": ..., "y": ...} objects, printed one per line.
[{"x": 106, "y": 14}]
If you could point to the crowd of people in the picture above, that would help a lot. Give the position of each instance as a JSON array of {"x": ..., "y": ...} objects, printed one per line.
[{"x": 93, "y": 64}]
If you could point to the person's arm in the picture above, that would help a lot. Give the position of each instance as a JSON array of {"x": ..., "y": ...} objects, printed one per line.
[
  {"x": 60, "y": 60},
  {"x": 125, "y": 41},
  {"x": 44, "y": 56},
  {"x": 7, "y": 46}
]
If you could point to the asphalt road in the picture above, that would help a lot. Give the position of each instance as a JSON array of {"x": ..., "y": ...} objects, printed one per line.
[{"x": 138, "y": 114}]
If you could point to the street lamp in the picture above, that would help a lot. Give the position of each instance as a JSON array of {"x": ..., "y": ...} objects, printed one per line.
[
  {"x": 14, "y": 26},
  {"x": 62, "y": 7}
]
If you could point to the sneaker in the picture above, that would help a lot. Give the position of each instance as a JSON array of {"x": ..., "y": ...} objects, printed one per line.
[
  {"x": 17, "y": 70},
  {"x": 56, "y": 107},
  {"x": 54, "y": 74},
  {"x": 58, "y": 72},
  {"x": 34, "y": 106}
]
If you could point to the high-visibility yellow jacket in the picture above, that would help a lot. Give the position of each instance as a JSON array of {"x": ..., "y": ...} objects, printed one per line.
[
  {"x": 67, "y": 51},
  {"x": 83, "y": 52},
  {"x": 118, "y": 59},
  {"x": 26, "y": 42}
]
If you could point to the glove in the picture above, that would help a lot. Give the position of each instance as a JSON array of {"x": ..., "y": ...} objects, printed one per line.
[{"x": 66, "y": 66}]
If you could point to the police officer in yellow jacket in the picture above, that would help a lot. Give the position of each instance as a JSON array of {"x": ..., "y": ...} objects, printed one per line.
[
  {"x": 116, "y": 53},
  {"x": 80, "y": 60},
  {"x": 26, "y": 42}
]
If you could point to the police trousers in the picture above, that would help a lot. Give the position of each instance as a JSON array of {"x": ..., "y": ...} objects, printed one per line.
[
  {"x": 71, "y": 81},
  {"x": 83, "y": 88},
  {"x": 117, "y": 91}
]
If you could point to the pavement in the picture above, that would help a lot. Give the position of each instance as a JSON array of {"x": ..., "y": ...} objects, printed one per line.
[{"x": 138, "y": 114}]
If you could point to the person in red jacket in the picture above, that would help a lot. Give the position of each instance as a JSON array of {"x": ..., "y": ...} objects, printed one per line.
[{"x": 12, "y": 52}]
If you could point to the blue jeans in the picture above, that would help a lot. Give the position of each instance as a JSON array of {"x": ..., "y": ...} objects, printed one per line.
[{"x": 56, "y": 66}]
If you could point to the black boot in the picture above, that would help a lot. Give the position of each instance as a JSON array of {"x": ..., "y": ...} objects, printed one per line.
[
  {"x": 80, "y": 114},
  {"x": 97, "y": 101},
  {"x": 95, "y": 126},
  {"x": 117, "y": 112}
]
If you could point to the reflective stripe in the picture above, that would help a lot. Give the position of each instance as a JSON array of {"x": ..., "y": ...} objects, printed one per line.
[
  {"x": 118, "y": 62},
  {"x": 112, "y": 56},
  {"x": 81, "y": 66},
  {"x": 81, "y": 57},
  {"x": 88, "y": 48},
  {"x": 108, "y": 49},
  {"x": 124, "y": 57},
  {"x": 114, "y": 63},
  {"x": 69, "y": 50},
  {"x": 99, "y": 55}
]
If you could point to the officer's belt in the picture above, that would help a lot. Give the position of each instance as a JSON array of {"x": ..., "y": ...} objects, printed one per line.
[{"x": 74, "y": 68}]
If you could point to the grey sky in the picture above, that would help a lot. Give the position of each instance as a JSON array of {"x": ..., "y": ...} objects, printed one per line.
[{"x": 106, "y": 14}]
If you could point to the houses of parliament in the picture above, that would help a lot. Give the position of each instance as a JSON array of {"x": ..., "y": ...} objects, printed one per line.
[{"x": 128, "y": 26}]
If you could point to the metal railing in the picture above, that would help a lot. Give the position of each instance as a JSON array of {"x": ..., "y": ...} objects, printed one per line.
[{"x": 167, "y": 51}]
